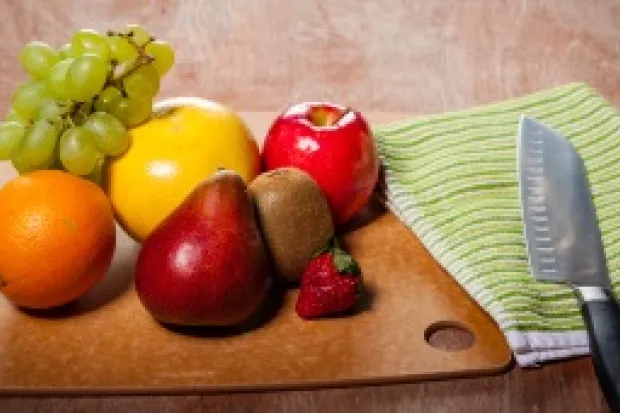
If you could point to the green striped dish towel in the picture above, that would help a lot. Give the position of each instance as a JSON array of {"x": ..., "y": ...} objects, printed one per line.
[{"x": 452, "y": 179}]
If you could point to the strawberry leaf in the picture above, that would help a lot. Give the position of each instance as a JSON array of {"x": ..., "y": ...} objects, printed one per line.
[{"x": 345, "y": 263}]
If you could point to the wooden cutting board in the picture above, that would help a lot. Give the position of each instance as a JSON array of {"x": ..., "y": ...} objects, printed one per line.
[{"x": 107, "y": 342}]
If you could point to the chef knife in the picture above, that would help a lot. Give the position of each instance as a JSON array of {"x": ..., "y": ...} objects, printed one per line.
[{"x": 564, "y": 242}]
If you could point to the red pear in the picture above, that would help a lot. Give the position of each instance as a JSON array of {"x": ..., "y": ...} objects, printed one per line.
[{"x": 206, "y": 264}]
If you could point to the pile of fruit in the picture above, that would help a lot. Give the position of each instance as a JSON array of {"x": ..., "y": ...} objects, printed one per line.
[{"x": 219, "y": 221}]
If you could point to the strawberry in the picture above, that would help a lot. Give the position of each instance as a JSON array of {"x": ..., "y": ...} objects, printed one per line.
[{"x": 330, "y": 284}]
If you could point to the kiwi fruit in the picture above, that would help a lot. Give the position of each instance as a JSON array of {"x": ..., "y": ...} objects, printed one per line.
[{"x": 294, "y": 217}]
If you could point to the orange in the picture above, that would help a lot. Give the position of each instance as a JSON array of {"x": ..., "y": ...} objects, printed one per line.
[
  {"x": 57, "y": 238},
  {"x": 188, "y": 140}
]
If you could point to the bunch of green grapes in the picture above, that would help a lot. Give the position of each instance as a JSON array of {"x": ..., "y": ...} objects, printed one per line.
[{"x": 80, "y": 99}]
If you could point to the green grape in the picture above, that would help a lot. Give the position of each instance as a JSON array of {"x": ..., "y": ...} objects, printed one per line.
[
  {"x": 65, "y": 51},
  {"x": 132, "y": 112},
  {"x": 57, "y": 79},
  {"x": 36, "y": 149},
  {"x": 107, "y": 99},
  {"x": 111, "y": 136},
  {"x": 89, "y": 41},
  {"x": 13, "y": 116},
  {"x": 85, "y": 77},
  {"x": 37, "y": 58},
  {"x": 163, "y": 54},
  {"x": 142, "y": 83},
  {"x": 29, "y": 96},
  {"x": 139, "y": 36},
  {"x": 50, "y": 109},
  {"x": 77, "y": 150},
  {"x": 11, "y": 133},
  {"x": 121, "y": 50}
]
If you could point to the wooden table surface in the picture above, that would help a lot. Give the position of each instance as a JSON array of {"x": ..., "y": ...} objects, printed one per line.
[{"x": 414, "y": 56}]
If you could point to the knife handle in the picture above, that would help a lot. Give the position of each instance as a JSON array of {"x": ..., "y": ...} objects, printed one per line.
[{"x": 602, "y": 317}]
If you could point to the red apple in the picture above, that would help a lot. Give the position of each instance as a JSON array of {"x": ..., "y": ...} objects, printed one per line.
[{"x": 334, "y": 145}]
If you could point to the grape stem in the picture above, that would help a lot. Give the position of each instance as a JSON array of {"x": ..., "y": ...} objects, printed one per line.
[
  {"x": 121, "y": 71},
  {"x": 142, "y": 59},
  {"x": 127, "y": 70},
  {"x": 74, "y": 109}
]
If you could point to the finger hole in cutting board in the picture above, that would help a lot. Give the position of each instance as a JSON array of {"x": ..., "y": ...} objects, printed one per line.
[{"x": 449, "y": 336}]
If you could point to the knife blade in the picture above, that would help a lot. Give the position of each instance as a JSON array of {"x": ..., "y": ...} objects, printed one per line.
[{"x": 564, "y": 243}]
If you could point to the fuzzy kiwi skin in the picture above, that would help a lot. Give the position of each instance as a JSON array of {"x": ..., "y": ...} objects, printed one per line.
[{"x": 294, "y": 217}]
